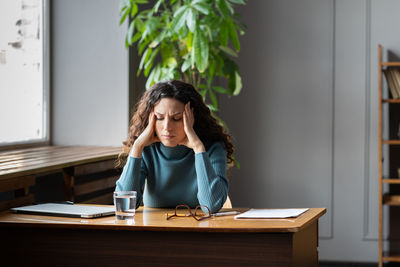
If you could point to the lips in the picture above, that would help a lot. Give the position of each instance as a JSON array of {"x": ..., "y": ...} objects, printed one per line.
[{"x": 167, "y": 136}]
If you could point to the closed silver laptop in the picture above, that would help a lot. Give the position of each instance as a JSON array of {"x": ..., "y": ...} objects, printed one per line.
[{"x": 67, "y": 210}]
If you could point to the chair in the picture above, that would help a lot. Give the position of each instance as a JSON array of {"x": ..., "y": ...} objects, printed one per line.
[{"x": 227, "y": 204}]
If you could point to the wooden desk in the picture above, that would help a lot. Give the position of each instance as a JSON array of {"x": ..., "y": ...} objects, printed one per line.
[
  {"x": 151, "y": 240},
  {"x": 19, "y": 168}
]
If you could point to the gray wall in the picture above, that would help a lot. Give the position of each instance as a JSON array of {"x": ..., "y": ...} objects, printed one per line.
[
  {"x": 89, "y": 73},
  {"x": 305, "y": 124}
]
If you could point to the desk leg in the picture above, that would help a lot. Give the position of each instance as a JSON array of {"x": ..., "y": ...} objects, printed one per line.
[{"x": 305, "y": 246}]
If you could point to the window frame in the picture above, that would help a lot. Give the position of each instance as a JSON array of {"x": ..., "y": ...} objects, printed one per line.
[{"x": 46, "y": 86}]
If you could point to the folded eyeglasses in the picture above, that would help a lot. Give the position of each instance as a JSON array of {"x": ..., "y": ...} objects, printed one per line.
[{"x": 185, "y": 211}]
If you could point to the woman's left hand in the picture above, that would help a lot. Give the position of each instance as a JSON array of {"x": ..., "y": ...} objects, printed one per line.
[{"x": 192, "y": 140}]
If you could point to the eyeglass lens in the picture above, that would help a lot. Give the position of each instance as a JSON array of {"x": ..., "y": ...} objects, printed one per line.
[{"x": 200, "y": 212}]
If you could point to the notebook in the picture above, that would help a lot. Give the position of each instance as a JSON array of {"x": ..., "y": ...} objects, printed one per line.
[
  {"x": 67, "y": 210},
  {"x": 270, "y": 213}
]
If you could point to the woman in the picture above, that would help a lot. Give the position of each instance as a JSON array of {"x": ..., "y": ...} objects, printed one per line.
[{"x": 177, "y": 149}]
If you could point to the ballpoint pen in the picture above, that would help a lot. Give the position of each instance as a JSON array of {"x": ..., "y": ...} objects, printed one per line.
[{"x": 224, "y": 213}]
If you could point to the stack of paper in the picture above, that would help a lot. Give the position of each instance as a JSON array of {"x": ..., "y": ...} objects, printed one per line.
[{"x": 270, "y": 213}]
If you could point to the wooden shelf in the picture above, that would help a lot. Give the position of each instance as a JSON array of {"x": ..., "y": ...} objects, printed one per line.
[
  {"x": 391, "y": 180},
  {"x": 391, "y": 200},
  {"x": 390, "y": 64},
  {"x": 391, "y": 101},
  {"x": 391, "y": 142},
  {"x": 391, "y": 256},
  {"x": 385, "y": 198}
]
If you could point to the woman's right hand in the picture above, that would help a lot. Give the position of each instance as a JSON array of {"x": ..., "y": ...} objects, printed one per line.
[{"x": 146, "y": 138}]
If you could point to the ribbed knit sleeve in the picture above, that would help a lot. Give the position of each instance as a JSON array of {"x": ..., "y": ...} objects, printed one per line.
[
  {"x": 132, "y": 178},
  {"x": 211, "y": 177}
]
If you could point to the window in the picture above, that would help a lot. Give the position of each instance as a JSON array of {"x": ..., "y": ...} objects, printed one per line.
[{"x": 24, "y": 105}]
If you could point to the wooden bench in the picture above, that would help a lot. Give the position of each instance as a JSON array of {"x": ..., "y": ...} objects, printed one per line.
[{"x": 88, "y": 172}]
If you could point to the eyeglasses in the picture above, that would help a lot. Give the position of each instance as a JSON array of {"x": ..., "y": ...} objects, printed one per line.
[{"x": 185, "y": 211}]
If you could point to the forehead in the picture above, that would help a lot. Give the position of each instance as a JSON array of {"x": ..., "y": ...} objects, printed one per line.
[{"x": 169, "y": 106}]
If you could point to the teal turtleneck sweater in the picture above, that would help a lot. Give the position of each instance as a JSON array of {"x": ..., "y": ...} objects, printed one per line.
[{"x": 168, "y": 176}]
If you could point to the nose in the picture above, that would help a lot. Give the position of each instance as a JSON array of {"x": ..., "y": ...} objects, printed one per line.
[{"x": 167, "y": 124}]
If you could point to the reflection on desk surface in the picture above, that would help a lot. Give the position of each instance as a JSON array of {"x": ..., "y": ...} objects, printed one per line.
[{"x": 155, "y": 219}]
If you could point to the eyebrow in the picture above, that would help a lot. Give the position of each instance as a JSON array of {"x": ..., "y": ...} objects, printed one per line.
[{"x": 177, "y": 113}]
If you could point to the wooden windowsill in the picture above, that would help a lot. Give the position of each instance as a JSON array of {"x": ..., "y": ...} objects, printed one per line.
[
  {"x": 42, "y": 159},
  {"x": 23, "y": 145}
]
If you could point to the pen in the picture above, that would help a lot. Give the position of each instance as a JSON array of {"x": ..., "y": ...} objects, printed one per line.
[{"x": 226, "y": 213}]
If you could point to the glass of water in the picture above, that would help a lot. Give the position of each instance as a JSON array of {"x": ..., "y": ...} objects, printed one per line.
[{"x": 125, "y": 204}]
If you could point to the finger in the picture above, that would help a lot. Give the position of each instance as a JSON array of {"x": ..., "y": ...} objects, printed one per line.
[
  {"x": 151, "y": 118},
  {"x": 188, "y": 125},
  {"x": 152, "y": 121},
  {"x": 187, "y": 107},
  {"x": 191, "y": 115},
  {"x": 185, "y": 118},
  {"x": 187, "y": 110}
]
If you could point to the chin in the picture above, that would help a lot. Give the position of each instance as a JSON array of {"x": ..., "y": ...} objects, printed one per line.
[{"x": 169, "y": 144}]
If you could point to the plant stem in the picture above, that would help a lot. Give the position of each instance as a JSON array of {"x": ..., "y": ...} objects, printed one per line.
[
  {"x": 194, "y": 79},
  {"x": 186, "y": 78}
]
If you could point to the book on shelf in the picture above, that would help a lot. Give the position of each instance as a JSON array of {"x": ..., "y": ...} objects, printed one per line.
[
  {"x": 396, "y": 77},
  {"x": 391, "y": 82},
  {"x": 392, "y": 199}
]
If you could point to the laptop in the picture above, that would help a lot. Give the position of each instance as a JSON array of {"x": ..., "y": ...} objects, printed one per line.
[{"x": 66, "y": 210}]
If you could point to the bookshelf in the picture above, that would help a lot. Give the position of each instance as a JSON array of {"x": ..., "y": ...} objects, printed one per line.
[{"x": 386, "y": 197}]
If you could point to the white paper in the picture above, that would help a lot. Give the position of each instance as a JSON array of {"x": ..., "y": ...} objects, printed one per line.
[{"x": 270, "y": 213}]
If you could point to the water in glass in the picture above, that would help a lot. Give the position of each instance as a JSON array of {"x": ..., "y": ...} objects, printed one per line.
[{"x": 125, "y": 206}]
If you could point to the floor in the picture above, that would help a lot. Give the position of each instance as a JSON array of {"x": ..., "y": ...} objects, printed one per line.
[
  {"x": 346, "y": 264},
  {"x": 355, "y": 264}
]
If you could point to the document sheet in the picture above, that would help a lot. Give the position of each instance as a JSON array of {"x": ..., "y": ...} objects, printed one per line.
[{"x": 270, "y": 213}]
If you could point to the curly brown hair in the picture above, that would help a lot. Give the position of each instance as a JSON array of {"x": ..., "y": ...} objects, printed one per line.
[{"x": 205, "y": 125}]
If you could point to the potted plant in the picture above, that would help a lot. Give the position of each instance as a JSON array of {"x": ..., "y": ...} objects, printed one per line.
[{"x": 195, "y": 41}]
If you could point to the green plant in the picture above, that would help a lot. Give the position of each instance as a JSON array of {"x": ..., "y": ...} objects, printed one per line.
[
  {"x": 187, "y": 40},
  {"x": 195, "y": 41}
]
